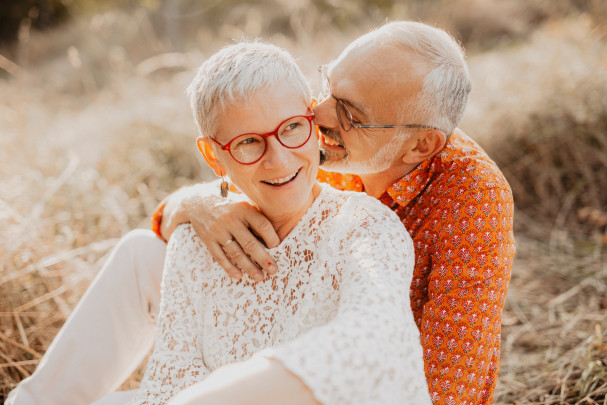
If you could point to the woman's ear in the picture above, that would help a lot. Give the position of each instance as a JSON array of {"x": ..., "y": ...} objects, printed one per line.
[
  {"x": 205, "y": 147},
  {"x": 425, "y": 144}
]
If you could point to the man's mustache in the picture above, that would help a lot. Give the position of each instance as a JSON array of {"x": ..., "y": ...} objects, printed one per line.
[
  {"x": 329, "y": 133},
  {"x": 332, "y": 133}
]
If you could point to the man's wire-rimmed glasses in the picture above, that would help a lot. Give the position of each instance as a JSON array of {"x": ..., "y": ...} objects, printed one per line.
[
  {"x": 249, "y": 148},
  {"x": 344, "y": 116}
]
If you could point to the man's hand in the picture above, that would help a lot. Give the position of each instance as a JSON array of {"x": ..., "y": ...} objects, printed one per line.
[{"x": 227, "y": 229}]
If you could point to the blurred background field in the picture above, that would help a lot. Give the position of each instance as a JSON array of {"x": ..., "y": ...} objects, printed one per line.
[{"x": 95, "y": 129}]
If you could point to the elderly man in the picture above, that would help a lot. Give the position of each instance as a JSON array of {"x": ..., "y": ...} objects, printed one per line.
[
  {"x": 451, "y": 197},
  {"x": 388, "y": 128}
]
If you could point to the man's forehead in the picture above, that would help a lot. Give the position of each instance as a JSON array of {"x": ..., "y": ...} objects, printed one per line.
[
  {"x": 355, "y": 54},
  {"x": 367, "y": 67},
  {"x": 377, "y": 74},
  {"x": 380, "y": 62}
]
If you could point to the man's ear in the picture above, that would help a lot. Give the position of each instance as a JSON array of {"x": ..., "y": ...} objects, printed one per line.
[
  {"x": 205, "y": 147},
  {"x": 425, "y": 144}
]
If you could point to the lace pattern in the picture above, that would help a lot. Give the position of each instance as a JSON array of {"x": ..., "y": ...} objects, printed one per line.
[{"x": 337, "y": 314}]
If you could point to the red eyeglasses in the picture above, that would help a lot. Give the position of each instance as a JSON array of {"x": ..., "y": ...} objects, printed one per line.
[{"x": 249, "y": 148}]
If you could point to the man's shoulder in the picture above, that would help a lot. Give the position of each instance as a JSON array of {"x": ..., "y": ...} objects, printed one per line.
[{"x": 465, "y": 165}]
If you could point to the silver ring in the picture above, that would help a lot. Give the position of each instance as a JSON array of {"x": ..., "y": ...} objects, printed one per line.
[{"x": 227, "y": 243}]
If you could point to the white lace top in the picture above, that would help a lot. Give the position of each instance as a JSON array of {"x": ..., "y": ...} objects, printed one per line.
[{"x": 337, "y": 314}]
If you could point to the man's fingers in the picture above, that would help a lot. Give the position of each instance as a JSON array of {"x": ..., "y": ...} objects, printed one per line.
[
  {"x": 241, "y": 260},
  {"x": 255, "y": 251},
  {"x": 246, "y": 252},
  {"x": 263, "y": 228},
  {"x": 220, "y": 257}
]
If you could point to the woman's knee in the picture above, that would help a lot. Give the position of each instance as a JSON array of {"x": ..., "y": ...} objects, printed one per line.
[
  {"x": 139, "y": 254},
  {"x": 140, "y": 238},
  {"x": 144, "y": 248}
]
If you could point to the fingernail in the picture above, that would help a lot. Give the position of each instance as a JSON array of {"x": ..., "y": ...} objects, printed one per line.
[
  {"x": 272, "y": 268},
  {"x": 258, "y": 277}
]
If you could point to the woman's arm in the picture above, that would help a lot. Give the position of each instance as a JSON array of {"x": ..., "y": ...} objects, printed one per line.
[
  {"x": 176, "y": 362},
  {"x": 258, "y": 381}
]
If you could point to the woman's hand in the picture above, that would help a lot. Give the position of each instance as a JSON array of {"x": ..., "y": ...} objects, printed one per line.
[{"x": 227, "y": 229}]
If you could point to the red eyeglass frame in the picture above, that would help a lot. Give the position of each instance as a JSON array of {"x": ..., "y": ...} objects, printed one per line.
[{"x": 267, "y": 135}]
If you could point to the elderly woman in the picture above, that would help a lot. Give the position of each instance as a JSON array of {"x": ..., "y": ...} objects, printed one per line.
[{"x": 336, "y": 327}]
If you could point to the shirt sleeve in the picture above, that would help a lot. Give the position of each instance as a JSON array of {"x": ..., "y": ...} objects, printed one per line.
[
  {"x": 370, "y": 352},
  {"x": 468, "y": 283},
  {"x": 176, "y": 362}
]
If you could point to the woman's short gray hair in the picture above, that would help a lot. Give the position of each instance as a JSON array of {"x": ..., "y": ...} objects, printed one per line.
[
  {"x": 237, "y": 72},
  {"x": 444, "y": 95}
]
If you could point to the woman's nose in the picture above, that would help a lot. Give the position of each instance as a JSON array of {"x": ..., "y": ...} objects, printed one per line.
[{"x": 276, "y": 155}]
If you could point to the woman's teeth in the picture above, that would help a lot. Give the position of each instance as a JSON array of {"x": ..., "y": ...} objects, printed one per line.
[
  {"x": 282, "y": 180},
  {"x": 330, "y": 141}
]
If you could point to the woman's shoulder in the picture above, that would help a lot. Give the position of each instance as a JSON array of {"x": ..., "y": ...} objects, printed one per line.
[
  {"x": 359, "y": 209},
  {"x": 356, "y": 201},
  {"x": 343, "y": 197},
  {"x": 185, "y": 242},
  {"x": 183, "y": 233}
]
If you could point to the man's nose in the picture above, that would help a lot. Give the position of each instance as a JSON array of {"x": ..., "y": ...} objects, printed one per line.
[{"x": 325, "y": 113}]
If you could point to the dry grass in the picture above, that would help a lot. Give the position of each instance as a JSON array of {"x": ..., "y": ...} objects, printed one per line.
[
  {"x": 88, "y": 149},
  {"x": 95, "y": 130},
  {"x": 554, "y": 326},
  {"x": 551, "y": 144},
  {"x": 542, "y": 106}
]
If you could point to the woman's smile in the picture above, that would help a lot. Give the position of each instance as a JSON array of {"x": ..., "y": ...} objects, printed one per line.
[{"x": 281, "y": 181}]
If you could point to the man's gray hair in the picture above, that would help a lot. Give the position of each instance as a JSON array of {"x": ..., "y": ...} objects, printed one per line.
[
  {"x": 235, "y": 73},
  {"x": 444, "y": 94}
]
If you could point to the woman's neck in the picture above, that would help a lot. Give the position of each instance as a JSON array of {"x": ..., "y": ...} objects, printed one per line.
[{"x": 285, "y": 222}]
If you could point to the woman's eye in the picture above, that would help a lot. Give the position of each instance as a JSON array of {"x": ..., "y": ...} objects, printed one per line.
[{"x": 247, "y": 141}]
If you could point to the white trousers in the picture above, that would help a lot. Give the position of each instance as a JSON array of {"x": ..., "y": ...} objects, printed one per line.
[{"x": 109, "y": 332}]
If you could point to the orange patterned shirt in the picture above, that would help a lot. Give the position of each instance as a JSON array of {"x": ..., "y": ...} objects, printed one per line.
[{"x": 458, "y": 209}]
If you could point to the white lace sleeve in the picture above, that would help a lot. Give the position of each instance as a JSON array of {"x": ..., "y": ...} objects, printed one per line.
[
  {"x": 370, "y": 353},
  {"x": 176, "y": 362}
]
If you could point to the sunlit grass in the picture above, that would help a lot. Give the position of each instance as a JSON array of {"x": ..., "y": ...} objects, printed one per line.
[{"x": 95, "y": 129}]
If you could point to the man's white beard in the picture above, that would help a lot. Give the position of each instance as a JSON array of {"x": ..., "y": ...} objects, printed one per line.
[{"x": 381, "y": 161}]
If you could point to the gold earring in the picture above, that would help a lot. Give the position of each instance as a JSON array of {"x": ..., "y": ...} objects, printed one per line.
[{"x": 224, "y": 187}]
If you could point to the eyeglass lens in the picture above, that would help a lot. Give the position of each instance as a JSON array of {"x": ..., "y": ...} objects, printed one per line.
[
  {"x": 292, "y": 134},
  {"x": 343, "y": 115}
]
